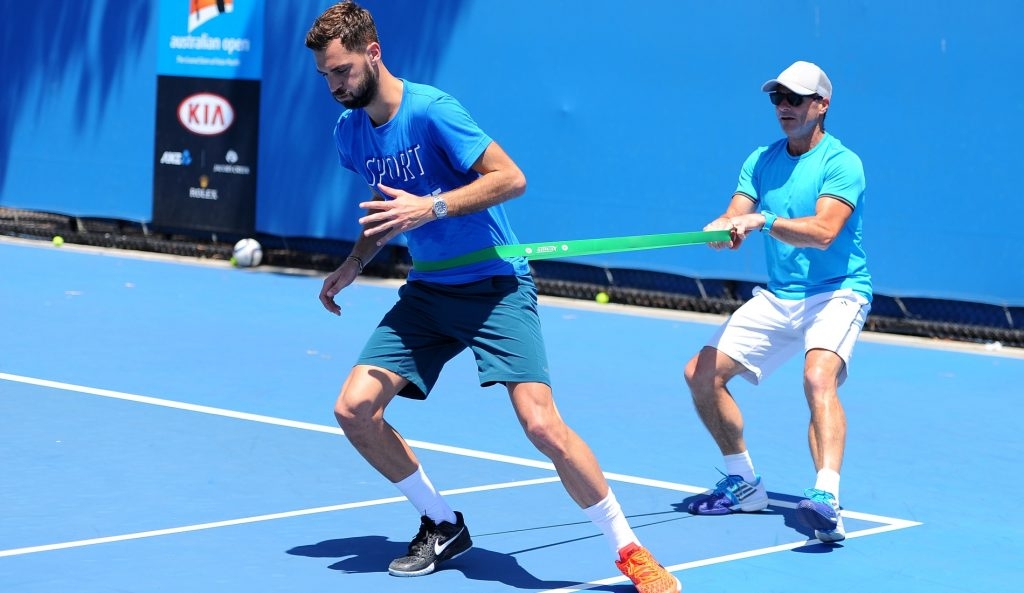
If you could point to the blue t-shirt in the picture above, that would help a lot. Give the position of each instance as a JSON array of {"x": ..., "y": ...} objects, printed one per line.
[
  {"x": 790, "y": 187},
  {"x": 427, "y": 148}
]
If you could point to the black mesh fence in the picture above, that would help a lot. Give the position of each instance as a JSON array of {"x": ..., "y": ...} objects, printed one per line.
[{"x": 933, "y": 318}]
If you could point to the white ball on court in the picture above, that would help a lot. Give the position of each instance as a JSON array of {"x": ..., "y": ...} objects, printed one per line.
[{"x": 247, "y": 253}]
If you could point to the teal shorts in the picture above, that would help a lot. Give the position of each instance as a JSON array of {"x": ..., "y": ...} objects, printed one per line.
[{"x": 496, "y": 318}]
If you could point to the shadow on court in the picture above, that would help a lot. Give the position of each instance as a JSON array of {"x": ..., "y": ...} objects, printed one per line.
[
  {"x": 372, "y": 554},
  {"x": 788, "y": 516}
]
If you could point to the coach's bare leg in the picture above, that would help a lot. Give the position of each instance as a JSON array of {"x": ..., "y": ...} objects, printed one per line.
[
  {"x": 826, "y": 434},
  {"x": 707, "y": 374},
  {"x": 360, "y": 413},
  {"x": 575, "y": 462}
]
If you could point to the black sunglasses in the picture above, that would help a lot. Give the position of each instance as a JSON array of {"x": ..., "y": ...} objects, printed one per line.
[{"x": 792, "y": 98}]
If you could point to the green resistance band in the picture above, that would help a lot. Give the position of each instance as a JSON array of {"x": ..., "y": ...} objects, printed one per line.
[{"x": 551, "y": 250}]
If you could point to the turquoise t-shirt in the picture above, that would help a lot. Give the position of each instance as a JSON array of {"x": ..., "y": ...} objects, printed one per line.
[
  {"x": 429, "y": 147},
  {"x": 790, "y": 187}
]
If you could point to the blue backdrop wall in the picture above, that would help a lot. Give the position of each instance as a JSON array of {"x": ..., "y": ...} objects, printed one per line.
[{"x": 626, "y": 119}]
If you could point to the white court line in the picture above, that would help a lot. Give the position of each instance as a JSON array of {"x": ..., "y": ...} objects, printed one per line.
[
  {"x": 889, "y": 523},
  {"x": 259, "y": 518},
  {"x": 143, "y": 399},
  {"x": 731, "y": 557},
  {"x": 167, "y": 403}
]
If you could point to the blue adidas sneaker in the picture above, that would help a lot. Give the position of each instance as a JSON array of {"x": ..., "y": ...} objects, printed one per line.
[
  {"x": 820, "y": 511},
  {"x": 732, "y": 494}
]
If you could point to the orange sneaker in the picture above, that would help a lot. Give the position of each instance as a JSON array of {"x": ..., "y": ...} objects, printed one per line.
[{"x": 647, "y": 575}]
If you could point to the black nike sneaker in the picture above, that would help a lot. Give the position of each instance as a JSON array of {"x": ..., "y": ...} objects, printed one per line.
[{"x": 435, "y": 543}]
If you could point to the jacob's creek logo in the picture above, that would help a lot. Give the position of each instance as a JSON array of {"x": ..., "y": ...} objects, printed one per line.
[
  {"x": 206, "y": 114},
  {"x": 231, "y": 165}
]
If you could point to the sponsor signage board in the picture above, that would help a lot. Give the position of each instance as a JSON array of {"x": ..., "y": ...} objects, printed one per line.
[{"x": 207, "y": 115}]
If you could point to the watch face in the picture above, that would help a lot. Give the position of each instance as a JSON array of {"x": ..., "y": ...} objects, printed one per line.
[{"x": 440, "y": 208}]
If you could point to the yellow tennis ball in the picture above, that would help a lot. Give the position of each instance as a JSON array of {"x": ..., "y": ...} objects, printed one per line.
[
  {"x": 602, "y": 297},
  {"x": 58, "y": 241}
]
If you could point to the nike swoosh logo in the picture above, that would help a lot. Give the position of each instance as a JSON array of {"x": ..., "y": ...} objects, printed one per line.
[{"x": 438, "y": 548}]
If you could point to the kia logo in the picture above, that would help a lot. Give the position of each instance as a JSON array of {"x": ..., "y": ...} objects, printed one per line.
[{"x": 206, "y": 114}]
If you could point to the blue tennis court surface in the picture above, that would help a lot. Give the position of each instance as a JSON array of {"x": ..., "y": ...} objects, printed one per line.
[{"x": 167, "y": 426}]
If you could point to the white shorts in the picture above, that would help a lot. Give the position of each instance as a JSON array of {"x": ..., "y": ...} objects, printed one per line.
[{"x": 766, "y": 330}]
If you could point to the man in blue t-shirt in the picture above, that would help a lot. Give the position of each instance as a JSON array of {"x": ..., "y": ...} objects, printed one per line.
[
  {"x": 805, "y": 194},
  {"x": 441, "y": 181}
]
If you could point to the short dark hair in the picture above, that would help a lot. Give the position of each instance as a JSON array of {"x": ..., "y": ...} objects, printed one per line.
[{"x": 347, "y": 22}]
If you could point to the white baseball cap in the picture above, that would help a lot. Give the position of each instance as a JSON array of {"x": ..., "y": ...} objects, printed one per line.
[{"x": 803, "y": 78}]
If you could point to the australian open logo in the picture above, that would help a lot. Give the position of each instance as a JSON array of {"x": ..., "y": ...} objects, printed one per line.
[
  {"x": 204, "y": 48},
  {"x": 202, "y": 11}
]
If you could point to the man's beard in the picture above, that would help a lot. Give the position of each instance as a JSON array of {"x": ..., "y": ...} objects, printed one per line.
[{"x": 364, "y": 94}]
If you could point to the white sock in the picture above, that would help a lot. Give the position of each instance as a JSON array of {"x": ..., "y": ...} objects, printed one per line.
[
  {"x": 828, "y": 480},
  {"x": 740, "y": 465},
  {"x": 422, "y": 494},
  {"x": 607, "y": 515}
]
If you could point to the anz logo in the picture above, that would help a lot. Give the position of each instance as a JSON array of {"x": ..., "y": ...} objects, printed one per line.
[{"x": 178, "y": 159}]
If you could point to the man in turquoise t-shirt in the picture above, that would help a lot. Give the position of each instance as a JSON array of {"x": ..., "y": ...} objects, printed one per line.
[
  {"x": 805, "y": 194},
  {"x": 442, "y": 181}
]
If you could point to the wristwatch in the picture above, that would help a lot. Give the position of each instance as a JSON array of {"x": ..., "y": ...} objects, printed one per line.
[
  {"x": 440, "y": 207},
  {"x": 769, "y": 220}
]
